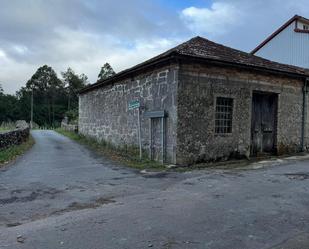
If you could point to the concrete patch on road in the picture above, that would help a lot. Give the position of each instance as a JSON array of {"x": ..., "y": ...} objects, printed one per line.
[
  {"x": 89, "y": 205},
  {"x": 28, "y": 195}
]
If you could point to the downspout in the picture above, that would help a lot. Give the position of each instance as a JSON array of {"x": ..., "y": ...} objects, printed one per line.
[{"x": 303, "y": 134}]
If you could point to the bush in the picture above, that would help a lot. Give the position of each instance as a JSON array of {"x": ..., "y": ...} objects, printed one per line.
[{"x": 72, "y": 116}]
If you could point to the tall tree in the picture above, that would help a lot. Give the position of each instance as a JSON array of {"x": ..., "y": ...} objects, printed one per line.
[
  {"x": 50, "y": 98},
  {"x": 106, "y": 72},
  {"x": 46, "y": 87},
  {"x": 73, "y": 83},
  {"x": 44, "y": 79}
]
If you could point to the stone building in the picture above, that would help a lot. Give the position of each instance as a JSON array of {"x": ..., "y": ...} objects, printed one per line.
[{"x": 200, "y": 101}]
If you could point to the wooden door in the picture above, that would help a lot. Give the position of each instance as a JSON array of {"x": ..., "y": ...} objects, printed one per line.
[{"x": 264, "y": 119}]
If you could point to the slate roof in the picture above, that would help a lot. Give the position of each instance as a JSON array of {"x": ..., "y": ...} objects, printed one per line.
[{"x": 201, "y": 48}]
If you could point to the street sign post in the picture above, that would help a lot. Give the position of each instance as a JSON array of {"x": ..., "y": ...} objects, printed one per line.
[{"x": 135, "y": 104}]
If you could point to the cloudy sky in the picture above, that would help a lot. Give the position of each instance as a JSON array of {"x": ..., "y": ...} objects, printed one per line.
[{"x": 84, "y": 34}]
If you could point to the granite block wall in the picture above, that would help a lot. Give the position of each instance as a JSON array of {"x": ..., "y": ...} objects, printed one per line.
[
  {"x": 200, "y": 84},
  {"x": 104, "y": 113}
]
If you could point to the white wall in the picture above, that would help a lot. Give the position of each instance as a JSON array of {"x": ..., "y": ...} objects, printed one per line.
[{"x": 288, "y": 47}]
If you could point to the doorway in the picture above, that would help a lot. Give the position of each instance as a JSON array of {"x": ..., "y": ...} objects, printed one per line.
[
  {"x": 264, "y": 123},
  {"x": 156, "y": 139},
  {"x": 157, "y": 135}
]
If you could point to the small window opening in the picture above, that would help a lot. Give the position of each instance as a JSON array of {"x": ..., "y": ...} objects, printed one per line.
[{"x": 224, "y": 115}]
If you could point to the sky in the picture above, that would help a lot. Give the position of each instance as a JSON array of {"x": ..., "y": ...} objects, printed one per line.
[{"x": 84, "y": 34}]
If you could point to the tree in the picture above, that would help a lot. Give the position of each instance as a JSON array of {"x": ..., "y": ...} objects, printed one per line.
[
  {"x": 8, "y": 107},
  {"x": 47, "y": 88},
  {"x": 44, "y": 79},
  {"x": 51, "y": 98},
  {"x": 106, "y": 72},
  {"x": 73, "y": 83}
]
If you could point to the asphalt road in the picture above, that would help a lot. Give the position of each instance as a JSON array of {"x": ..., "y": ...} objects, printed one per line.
[{"x": 61, "y": 195}]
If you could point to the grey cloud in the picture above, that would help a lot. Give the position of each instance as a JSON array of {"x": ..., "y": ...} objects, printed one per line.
[
  {"x": 34, "y": 24},
  {"x": 84, "y": 34},
  {"x": 258, "y": 19}
]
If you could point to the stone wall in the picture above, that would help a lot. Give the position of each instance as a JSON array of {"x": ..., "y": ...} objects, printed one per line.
[
  {"x": 104, "y": 114},
  {"x": 68, "y": 127},
  {"x": 15, "y": 137},
  {"x": 199, "y": 85},
  {"x": 187, "y": 92}
]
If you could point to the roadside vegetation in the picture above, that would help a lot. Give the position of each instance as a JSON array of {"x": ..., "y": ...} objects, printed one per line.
[
  {"x": 5, "y": 126},
  {"x": 9, "y": 154},
  {"x": 128, "y": 155},
  {"x": 53, "y": 97}
]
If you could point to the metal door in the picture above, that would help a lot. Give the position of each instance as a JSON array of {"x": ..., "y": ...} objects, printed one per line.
[
  {"x": 156, "y": 139},
  {"x": 157, "y": 134},
  {"x": 264, "y": 119}
]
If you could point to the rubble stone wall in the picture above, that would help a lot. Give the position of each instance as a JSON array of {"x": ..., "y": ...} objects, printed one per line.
[
  {"x": 14, "y": 137},
  {"x": 104, "y": 113},
  {"x": 200, "y": 84}
]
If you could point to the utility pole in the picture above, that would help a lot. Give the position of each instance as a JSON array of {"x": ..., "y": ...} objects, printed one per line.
[
  {"x": 31, "y": 114},
  {"x": 139, "y": 133},
  {"x": 69, "y": 101}
]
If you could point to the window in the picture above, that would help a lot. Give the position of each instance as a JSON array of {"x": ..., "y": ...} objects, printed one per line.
[
  {"x": 224, "y": 112},
  {"x": 305, "y": 27}
]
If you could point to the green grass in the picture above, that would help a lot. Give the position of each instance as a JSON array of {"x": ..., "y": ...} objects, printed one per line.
[
  {"x": 11, "y": 153},
  {"x": 127, "y": 155},
  {"x": 5, "y": 126}
]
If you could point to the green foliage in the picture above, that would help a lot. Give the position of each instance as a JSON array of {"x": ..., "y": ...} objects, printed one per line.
[
  {"x": 45, "y": 80},
  {"x": 49, "y": 98},
  {"x": 9, "y": 154},
  {"x": 72, "y": 115},
  {"x": 73, "y": 83},
  {"x": 106, "y": 72},
  {"x": 9, "y": 108},
  {"x": 53, "y": 98}
]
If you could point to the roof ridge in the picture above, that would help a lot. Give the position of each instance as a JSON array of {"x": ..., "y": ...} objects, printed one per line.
[
  {"x": 204, "y": 49},
  {"x": 244, "y": 53}
]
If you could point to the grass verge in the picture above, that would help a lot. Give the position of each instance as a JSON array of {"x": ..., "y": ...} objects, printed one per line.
[
  {"x": 7, "y": 126},
  {"x": 9, "y": 154},
  {"x": 127, "y": 156}
]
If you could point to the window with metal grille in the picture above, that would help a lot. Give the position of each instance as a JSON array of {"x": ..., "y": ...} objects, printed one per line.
[{"x": 224, "y": 112}]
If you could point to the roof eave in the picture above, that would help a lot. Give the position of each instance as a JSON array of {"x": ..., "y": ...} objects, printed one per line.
[
  {"x": 126, "y": 73},
  {"x": 177, "y": 56},
  {"x": 244, "y": 66}
]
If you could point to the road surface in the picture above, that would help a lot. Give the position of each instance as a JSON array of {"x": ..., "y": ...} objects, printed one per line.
[{"x": 61, "y": 195}]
